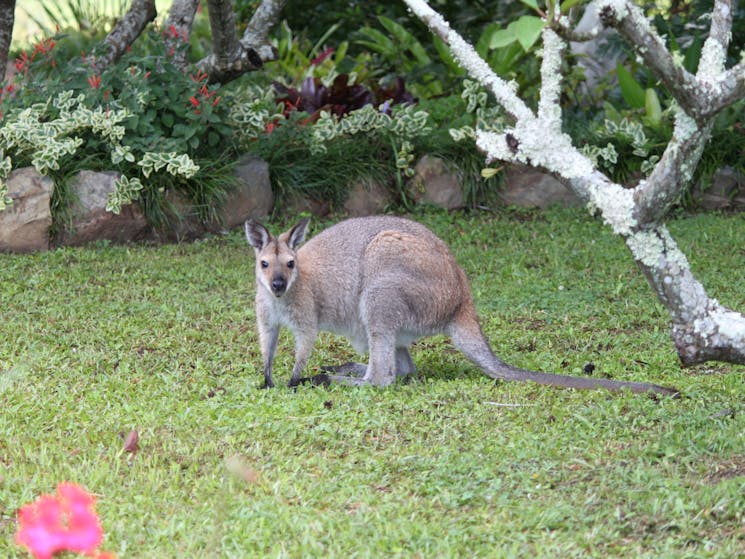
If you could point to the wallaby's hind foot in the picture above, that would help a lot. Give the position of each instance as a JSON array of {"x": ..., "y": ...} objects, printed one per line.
[
  {"x": 404, "y": 366},
  {"x": 347, "y": 369}
]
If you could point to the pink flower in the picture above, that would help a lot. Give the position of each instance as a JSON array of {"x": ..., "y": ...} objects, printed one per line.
[{"x": 66, "y": 521}]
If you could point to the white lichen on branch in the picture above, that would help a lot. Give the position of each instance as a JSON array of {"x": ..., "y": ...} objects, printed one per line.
[
  {"x": 549, "y": 110},
  {"x": 504, "y": 92},
  {"x": 702, "y": 329},
  {"x": 711, "y": 65}
]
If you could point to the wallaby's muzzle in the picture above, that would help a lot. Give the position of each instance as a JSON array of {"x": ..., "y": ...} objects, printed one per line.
[{"x": 279, "y": 285}]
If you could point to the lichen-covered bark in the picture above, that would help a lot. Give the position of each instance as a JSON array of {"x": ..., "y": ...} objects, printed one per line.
[
  {"x": 126, "y": 30},
  {"x": 7, "y": 14},
  {"x": 700, "y": 96},
  {"x": 702, "y": 329},
  {"x": 232, "y": 57},
  {"x": 178, "y": 28}
]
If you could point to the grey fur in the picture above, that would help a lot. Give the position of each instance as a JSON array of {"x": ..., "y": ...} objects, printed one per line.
[{"x": 383, "y": 282}]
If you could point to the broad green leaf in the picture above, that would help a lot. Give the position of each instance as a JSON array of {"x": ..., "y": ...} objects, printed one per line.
[
  {"x": 406, "y": 39},
  {"x": 632, "y": 92},
  {"x": 341, "y": 52},
  {"x": 693, "y": 55},
  {"x": 377, "y": 41},
  {"x": 531, "y": 4},
  {"x": 652, "y": 106},
  {"x": 167, "y": 119},
  {"x": 446, "y": 56},
  {"x": 568, "y": 4},
  {"x": 484, "y": 43},
  {"x": 527, "y": 29},
  {"x": 502, "y": 38}
]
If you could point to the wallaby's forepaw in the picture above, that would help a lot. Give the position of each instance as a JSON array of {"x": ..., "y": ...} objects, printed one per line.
[{"x": 347, "y": 369}]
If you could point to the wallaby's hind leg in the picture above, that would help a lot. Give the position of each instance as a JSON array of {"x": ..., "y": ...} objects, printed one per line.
[
  {"x": 381, "y": 368},
  {"x": 404, "y": 364}
]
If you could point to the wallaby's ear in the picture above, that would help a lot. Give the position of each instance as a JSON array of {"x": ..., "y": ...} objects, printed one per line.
[
  {"x": 296, "y": 235},
  {"x": 256, "y": 234}
]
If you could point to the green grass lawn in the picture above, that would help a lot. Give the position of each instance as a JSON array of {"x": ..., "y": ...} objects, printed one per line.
[{"x": 95, "y": 342}]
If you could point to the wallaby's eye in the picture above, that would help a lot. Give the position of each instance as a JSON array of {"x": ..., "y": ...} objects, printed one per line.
[
  {"x": 291, "y": 264},
  {"x": 264, "y": 264}
]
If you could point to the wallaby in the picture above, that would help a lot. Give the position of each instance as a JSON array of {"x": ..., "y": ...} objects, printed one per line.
[{"x": 383, "y": 282}]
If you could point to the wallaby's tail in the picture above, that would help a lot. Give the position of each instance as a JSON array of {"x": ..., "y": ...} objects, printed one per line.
[{"x": 467, "y": 336}]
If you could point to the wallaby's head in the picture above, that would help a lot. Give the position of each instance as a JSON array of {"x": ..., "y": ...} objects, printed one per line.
[{"x": 276, "y": 258}]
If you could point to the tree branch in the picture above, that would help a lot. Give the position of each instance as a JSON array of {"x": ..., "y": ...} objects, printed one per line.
[
  {"x": 702, "y": 329},
  {"x": 549, "y": 110},
  {"x": 126, "y": 30},
  {"x": 701, "y": 96},
  {"x": 230, "y": 57},
  {"x": 465, "y": 54},
  {"x": 178, "y": 26},
  {"x": 662, "y": 189},
  {"x": 631, "y": 23},
  {"x": 7, "y": 15}
]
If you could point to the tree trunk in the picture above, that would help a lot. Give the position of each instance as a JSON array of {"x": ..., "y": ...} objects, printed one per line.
[
  {"x": 178, "y": 28},
  {"x": 232, "y": 57},
  {"x": 124, "y": 33},
  {"x": 702, "y": 329},
  {"x": 7, "y": 15}
]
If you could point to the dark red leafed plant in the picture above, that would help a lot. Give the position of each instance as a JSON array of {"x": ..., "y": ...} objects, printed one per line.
[{"x": 340, "y": 98}]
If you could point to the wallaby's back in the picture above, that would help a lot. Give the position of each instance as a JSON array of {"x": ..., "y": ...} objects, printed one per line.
[{"x": 382, "y": 269}]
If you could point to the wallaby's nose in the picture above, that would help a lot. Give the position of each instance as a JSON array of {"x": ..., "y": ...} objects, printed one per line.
[{"x": 279, "y": 285}]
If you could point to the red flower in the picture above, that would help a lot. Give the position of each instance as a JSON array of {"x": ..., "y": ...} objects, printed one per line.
[
  {"x": 66, "y": 521},
  {"x": 94, "y": 81},
  {"x": 199, "y": 77},
  {"x": 22, "y": 62},
  {"x": 194, "y": 101}
]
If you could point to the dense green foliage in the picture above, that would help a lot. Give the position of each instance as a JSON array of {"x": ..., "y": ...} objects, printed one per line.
[
  {"x": 333, "y": 61},
  {"x": 156, "y": 108},
  {"x": 100, "y": 340}
]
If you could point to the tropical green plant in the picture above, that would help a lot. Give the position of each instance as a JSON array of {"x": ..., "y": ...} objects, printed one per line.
[{"x": 168, "y": 124}]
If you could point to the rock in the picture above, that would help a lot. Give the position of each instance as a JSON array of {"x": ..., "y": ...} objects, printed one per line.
[
  {"x": 726, "y": 190},
  {"x": 90, "y": 219},
  {"x": 434, "y": 183},
  {"x": 24, "y": 224},
  {"x": 253, "y": 196},
  {"x": 182, "y": 221},
  {"x": 366, "y": 197},
  {"x": 529, "y": 188},
  {"x": 297, "y": 204}
]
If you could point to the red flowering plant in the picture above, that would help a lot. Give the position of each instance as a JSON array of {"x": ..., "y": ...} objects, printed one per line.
[
  {"x": 66, "y": 521},
  {"x": 166, "y": 111}
]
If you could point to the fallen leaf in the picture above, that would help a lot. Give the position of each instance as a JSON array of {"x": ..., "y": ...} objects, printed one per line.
[
  {"x": 132, "y": 442},
  {"x": 238, "y": 466}
]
